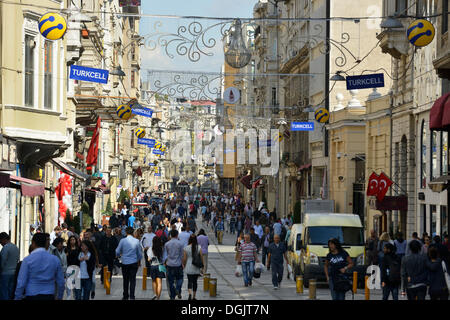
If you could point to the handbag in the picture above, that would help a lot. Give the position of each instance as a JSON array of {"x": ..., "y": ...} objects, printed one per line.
[
  {"x": 162, "y": 268},
  {"x": 341, "y": 283},
  {"x": 197, "y": 260},
  {"x": 446, "y": 275}
]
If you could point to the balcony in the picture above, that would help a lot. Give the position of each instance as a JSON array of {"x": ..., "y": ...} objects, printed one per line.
[{"x": 392, "y": 39}]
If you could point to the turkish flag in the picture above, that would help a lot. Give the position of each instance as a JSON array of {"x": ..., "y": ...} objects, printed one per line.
[
  {"x": 372, "y": 187},
  {"x": 91, "y": 159},
  {"x": 383, "y": 186}
]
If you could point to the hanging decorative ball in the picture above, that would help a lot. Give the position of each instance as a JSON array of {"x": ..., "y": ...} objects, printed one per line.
[
  {"x": 421, "y": 32},
  {"x": 322, "y": 115},
  {"x": 140, "y": 133},
  {"x": 124, "y": 111},
  {"x": 52, "y": 26}
]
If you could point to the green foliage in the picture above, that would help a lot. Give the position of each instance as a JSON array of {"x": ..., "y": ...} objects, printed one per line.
[
  {"x": 76, "y": 224},
  {"x": 109, "y": 209},
  {"x": 297, "y": 212},
  {"x": 123, "y": 196}
]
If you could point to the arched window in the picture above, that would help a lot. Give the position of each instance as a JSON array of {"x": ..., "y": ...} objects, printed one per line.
[
  {"x": 434, "y": 170},
  {"x": 423, "y": 157}
]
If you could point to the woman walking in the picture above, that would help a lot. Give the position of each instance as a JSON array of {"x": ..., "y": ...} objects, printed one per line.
[
  {"x": 203, "y": 241},
  {"x": 73, "y": 251},
  {"x": 384, "y": 239},
  {"x": 337, "y": 263},
  {"x": 191, "y": 266},
  {"x": 157, "y": 269},
  {"x": 87, "y": 258}
]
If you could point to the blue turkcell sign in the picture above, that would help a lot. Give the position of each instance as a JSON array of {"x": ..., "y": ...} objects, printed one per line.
[
  {"x": 156, "y": 151},
  {"x": 302, "y": 126},
  {"x": 365, "y": 81},
  {"x": 88, "y": 74},
  {"x": 141, "y": 111},
  {"x": 149, "y": 142},
  {"x": 157, "y": 174},
  {"x": 151, "y": 164}
]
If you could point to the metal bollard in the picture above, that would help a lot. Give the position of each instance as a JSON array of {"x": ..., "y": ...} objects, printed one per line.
[
  {"x": 212, "y": 287},
  {"x": 355, "y": 282},
  {"x": 108, "y": 282},
  {"x": 144, "y": 278},
  {"x": 105, "y": 270},
  {"x": 206, "y": 278},
  {"x": 312, "y": 289},
  {"x": 366, "y": 288},
  {"x": 299, "y": 284}
]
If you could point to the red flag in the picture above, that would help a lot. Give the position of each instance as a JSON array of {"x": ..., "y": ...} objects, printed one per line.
[
  {"x": 383, "y": 186},
  {"x": 372, "y": 187},
  {"x": 91, "y": 159}
]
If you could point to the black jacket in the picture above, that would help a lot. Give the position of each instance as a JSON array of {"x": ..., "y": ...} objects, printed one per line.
[
  {"x": 386, "y": 263},
  {"x": 415, "y": 266},
  {"x": 72, "y": 257},
  {"x": 108, "y": 247},
  {"x": 436, "y": 276},
  {"x": 113, "y": 222}
]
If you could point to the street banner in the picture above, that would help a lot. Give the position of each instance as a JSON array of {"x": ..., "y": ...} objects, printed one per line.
[
  {"x": 88, "y": 74},
  {"x": 365, "y": 81},
  {"x": 383, "y": 186},
  {"x": 155, "y": 151},
  {"x": 141, "y": 111},
  {"x": 149, "y": 142},
  {"x": 302, "y": 126},
  {"x": 372, "y": 187}
]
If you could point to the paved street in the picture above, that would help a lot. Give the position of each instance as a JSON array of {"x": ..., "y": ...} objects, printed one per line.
[{"x": 221, "y": 265}]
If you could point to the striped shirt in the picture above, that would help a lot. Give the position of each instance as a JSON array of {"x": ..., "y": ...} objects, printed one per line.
[{"x": 247, "y": 251}]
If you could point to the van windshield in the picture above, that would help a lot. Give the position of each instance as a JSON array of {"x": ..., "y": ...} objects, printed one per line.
[{"x": 350, "y": 236}]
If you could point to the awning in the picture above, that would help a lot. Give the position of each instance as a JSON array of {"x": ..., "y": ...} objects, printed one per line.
[
  {"x": 70, "y": 170},
  {"x": 29, "y": 188},
  {"x": 246, "y": 181},
  {"x": 393, "y": 203},
  {"x": 439, "y": 184},
  {"x": 440, "y": 114}
]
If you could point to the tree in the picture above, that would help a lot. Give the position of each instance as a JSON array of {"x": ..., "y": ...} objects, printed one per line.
[
  {"x": 297, "y": 218},
  {"x": 109, "y": 209}
]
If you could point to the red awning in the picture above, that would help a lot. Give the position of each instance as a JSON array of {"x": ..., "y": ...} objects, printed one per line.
[
  {"x": 440, "y": 113},
  {"x": 29, "y": 188},
  {"x": 246, "y": 181},
  {"x": 393, "y": 203}
]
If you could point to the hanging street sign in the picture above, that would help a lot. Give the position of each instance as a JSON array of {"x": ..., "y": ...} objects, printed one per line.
[
  {"x": 158, "y": 174},
  {"x": 231, "y": 95},
  {"x": 151, "y": 164},
  {"x": 365, "y": 81},
  {"x": 155, "y": 151},
  {"x": 141, "y": 111},
  {"x": 88, "y": 74},
  {"x": 302, "y": 126},
  {"x": 148, "y": 142}
]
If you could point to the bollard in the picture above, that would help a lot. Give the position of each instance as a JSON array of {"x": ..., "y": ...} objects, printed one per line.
[
  {"x": 105, "y": 270},
  {"x": 312, "y": 289},
  {"x": 212, "y": 287},
  {"x": 299, "y": 284},
  {"x": 108, "y": 282},
  {"x": 355, "y": 282},
  {"x": 206, "y": 278},
  {"x": 144, "y": 278},
  {"x": 366, "y": 288}
]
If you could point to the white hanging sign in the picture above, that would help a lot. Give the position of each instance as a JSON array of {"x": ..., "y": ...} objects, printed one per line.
[{"x": 231, "y": 95}]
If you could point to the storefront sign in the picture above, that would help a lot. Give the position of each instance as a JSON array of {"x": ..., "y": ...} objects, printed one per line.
[
  {"x": 88, "y": 74},
  {"x": 149, "y": 142},
  {"x": 302, "y": 126},
  {"x": 365, "y": 81}
]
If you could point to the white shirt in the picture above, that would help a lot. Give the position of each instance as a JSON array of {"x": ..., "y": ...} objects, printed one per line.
[
  {"x": 184, "y": 238},
  {"x": 179, "y": 225},
  {"x": 259, "y": 230},
  {"x": 83, "y": 266}
]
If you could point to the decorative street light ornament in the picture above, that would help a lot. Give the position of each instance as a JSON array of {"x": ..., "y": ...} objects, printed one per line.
[
  {"x": 322, "y": 115},
  {"x": 236, "y": 53},
  {"x": 124, "y": 112},
  {"x": 52, "y": 26},
  {"x": 140, "y": 133},
  {"x": 231, "y": 95},
  {"x": 421, "y": 33}
]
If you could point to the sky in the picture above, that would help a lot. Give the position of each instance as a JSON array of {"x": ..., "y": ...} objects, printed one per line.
[{"x": 158, "y": 59}]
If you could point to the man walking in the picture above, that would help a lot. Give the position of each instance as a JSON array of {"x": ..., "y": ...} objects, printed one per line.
[
  {"x": 247, "y": 257},
  {"x": 40, "y": 273},
  {"x": 277, "y": 251},
  {"x": 131, "y": 220},
  {"x": 108, "y": 246},
  {"x": 220, "y": 228},
  {"x": 9, "y": 257},
  {"x": 267, "y": 239},
  {"x": 130, "y": 250},
  {"x": 174, "y": 252},
  {"x": 414, "y": 271}
]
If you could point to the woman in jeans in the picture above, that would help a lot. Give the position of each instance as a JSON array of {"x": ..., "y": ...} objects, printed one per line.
[
  {"x": 192, "y": 271},
  {"x": 155, "y": 257},
  {"x": 87, "y": 266},
  {"x": 337, "y": 261},
  {"x": 247, "y": 257}
]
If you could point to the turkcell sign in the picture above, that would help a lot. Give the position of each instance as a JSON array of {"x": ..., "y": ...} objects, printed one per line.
[
  {"x": 88, "y": 74},
  {"x": 157, "y": 174},
  {"x": 302, "y": 126},
  {"x": 141, "y": 111},
  {"x": 365, "y": 81},
  {"x": 148, "y": 142},
  {"x": 156, "y": 151},
  {"x": 151, "y": 164}
]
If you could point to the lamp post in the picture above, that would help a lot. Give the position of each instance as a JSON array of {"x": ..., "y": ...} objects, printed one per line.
[{"x": 236, "y": 53}]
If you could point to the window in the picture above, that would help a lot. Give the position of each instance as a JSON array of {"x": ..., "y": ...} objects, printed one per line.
[
  {"x": 444, "y": 221},
  {"x": 423, "y": 209},
  {"x": 444, "y": 16},
  {"x": 346, "y": 235},
  {"x": 434, "y": 156},
  {"x": 433, "y": 220},
  {"x": 133, "y": 79},
  {"x": 48, "y": 74},
  {"x": 30, "y": 45},
  {"x": 421, "y": 8},
  {"x": 401, "y": 6},
  {"x": 444, "y": 153},
  {"x": 423, "y": 157},
  {"x": 274, "y": 96}
]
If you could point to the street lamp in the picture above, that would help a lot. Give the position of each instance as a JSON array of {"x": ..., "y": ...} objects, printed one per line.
[
  {"x": 338, "y": 76},
  {"x": 117, "y": 71},
  {"x": 236, "y": 53}
]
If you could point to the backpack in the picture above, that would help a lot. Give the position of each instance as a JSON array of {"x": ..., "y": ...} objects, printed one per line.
[{"x": 394, "y": 270}]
